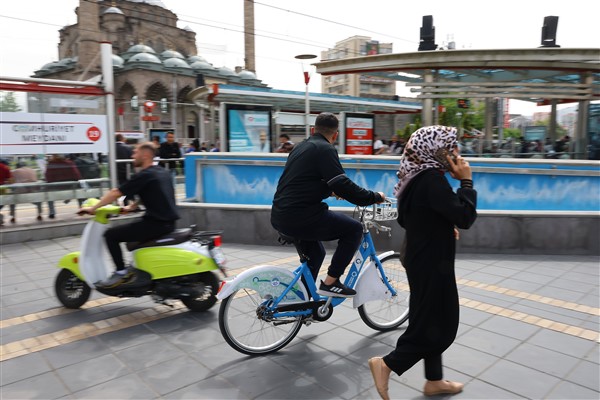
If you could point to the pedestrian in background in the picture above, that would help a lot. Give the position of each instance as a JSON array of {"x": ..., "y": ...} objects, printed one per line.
[
  {"x": 24, "y": 174},
  {"x": 429, "y": 211},
  {"x": 59, "y": 169}
]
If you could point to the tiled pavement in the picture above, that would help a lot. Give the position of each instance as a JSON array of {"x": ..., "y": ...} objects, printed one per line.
[{"x": 529, "y": 330}]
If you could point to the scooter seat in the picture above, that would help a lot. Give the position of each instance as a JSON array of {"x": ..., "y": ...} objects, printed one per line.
[{"x": 175, "y": 237}]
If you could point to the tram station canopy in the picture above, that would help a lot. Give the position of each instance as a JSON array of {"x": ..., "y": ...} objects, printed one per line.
[
  {"x": 541, "y": 75},
  {"x": 293, "y": 101}
]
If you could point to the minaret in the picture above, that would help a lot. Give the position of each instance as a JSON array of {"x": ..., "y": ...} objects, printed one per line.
[
  {"x": 88, "y": 49},
  {"x": 249, "y": 36}
]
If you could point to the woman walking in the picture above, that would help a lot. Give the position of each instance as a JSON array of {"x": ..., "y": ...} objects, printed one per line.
[{"x": 429, "y": 211}]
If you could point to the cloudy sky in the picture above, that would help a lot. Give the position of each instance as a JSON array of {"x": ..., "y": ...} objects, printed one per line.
[{"x": 29, "y": 30}]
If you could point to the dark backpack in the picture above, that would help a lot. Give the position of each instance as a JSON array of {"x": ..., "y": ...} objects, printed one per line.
[{"x": 88, "y": 167}]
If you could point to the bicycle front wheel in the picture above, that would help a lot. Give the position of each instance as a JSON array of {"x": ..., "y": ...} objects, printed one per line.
[
  {"x": 385, "y": 315},
  {"x": 244, "y": 328}
]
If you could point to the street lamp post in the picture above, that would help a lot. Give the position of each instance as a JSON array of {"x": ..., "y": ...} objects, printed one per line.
[{"x": 306, "y": 97}]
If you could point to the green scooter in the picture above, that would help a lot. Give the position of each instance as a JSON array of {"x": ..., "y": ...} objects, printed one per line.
[{"x": 181, "y": 265}]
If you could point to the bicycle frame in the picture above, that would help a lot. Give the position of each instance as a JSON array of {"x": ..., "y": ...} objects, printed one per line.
[{"x": 366, "y": 250}]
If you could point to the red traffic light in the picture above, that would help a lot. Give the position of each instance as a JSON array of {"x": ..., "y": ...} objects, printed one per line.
[{"x": 148, "y": 106}]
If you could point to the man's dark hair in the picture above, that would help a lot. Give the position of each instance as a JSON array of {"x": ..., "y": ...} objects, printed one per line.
[
  {"x": 119, "y": 137},
  {"x": 285, "y": 135},
  {"x": 327, "y": 123}
]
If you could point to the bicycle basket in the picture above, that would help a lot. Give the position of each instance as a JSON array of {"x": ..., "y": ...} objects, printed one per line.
[{"x": 385, "y": 211}]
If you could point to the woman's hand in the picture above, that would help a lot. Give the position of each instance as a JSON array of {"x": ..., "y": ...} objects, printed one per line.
[
  {"x": 460, "y": 169},
  {"x": 456, "y": 234}
]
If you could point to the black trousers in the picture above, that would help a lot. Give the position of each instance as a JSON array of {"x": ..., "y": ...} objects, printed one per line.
[
  {"x": 332, "y": 226},
  {"x": 433, "y": 320},
  {"x": 138, "y": 231}
]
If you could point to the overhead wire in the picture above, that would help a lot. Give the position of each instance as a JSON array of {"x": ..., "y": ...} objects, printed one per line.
[{"x": 236, "y": 28}]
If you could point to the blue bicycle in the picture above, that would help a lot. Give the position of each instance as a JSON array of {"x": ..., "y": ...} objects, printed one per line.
[{"x": 264, "y": 307}]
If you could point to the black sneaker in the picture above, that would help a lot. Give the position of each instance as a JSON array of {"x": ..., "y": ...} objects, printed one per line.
[{"x": 336, "y": 289}]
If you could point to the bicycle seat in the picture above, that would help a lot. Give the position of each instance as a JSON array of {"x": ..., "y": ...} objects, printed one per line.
[{"x": 175, "y": 237}]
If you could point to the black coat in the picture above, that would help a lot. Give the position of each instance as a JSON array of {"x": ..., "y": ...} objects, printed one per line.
[
  {"x": 169, "y": 150},
  {"x": 429, "y": 210}
]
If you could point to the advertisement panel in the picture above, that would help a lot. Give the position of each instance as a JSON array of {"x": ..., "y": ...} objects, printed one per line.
[
  {"x": 248, "y": 128},
  {"x": 359, "y": 134},
  {"x": 34, "y": 133},
  {"x": 161, "y": 133}
]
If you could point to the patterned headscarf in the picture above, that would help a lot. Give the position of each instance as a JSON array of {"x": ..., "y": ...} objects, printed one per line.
[{"x": 419, "y": 151}]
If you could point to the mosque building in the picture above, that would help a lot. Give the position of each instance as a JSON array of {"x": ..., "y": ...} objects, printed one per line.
[{"x": 153, "y": 59}]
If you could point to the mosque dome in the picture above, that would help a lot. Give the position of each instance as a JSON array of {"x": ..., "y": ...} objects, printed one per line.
[
  {"x": 140, "y": 48},
  {"x": 175, "y": 63},
  {"x": 201, "y": 65},
  {"x": 117, "y": 61},
  {"x": 136, "y": 49},
  {"x": 66, "y": 62},
  {"x": 113, "y": 10},
  {"x": 247, "y": 75},
  {"x": 54, "y": 65},
  {"x": 144, "y": 58},
  {"x": 171, "y": 54},
  {"x": 226, "y": 71},
  {"x": 193, "y": 59}
]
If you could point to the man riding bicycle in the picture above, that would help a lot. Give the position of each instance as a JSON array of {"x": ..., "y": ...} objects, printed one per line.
[{"x": 312, "y": 173}]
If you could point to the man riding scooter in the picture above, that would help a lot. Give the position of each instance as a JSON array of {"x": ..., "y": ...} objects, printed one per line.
[{"x": 154, "y": 186}]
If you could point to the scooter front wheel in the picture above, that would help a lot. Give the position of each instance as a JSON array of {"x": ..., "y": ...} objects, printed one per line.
[{"x": 71, "y": 291}]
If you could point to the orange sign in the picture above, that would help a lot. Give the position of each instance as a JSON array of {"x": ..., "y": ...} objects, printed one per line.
[{"x": 150, "y": 118}]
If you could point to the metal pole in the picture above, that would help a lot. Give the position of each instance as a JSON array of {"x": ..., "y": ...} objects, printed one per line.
[
  {"x": 109, "y": 87},
  {"x": 174, "y": 110},
  {"x": 307, "y": 112}
]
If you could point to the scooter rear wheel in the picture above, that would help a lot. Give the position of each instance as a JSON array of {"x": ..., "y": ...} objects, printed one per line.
[
  {"x": 71, "y": 291},
  {"x": 207, "y": 286}
]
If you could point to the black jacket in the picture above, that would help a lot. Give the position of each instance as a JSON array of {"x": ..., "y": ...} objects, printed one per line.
[
  {"x": 312, "y": 173},
  {"x": 429, "y": 210}
]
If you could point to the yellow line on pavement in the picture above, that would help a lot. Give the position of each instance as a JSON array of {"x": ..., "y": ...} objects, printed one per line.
[{"x": 530, "y": 296}]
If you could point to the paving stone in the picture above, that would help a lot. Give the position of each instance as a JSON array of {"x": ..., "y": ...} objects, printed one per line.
[
  {"x": 123, "y": 387},
  {"x": 520, "y": 380},
  {"x": 173, "y": 374},
  {"x": 23, "y": 367},
  {"x": 586, "y": 374},
  {"x": 568, "y": 390},
  {"x": 541, "y": 359},
  {"x": 44, "y": 386},
  {"x": 92, "y": 372},
  {"x": 75, "y": 352},
  {"x": 488, "y": 342}
]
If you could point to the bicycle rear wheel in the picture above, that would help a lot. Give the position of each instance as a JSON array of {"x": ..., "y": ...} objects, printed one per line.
[
  {"x": 385, "y": 315},
  {"x": 245, "y": 331}
]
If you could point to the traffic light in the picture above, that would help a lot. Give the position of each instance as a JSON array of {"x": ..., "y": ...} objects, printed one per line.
[
  {"x": 149, "y": 106},
  {"x": 463, "y": 103}
]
